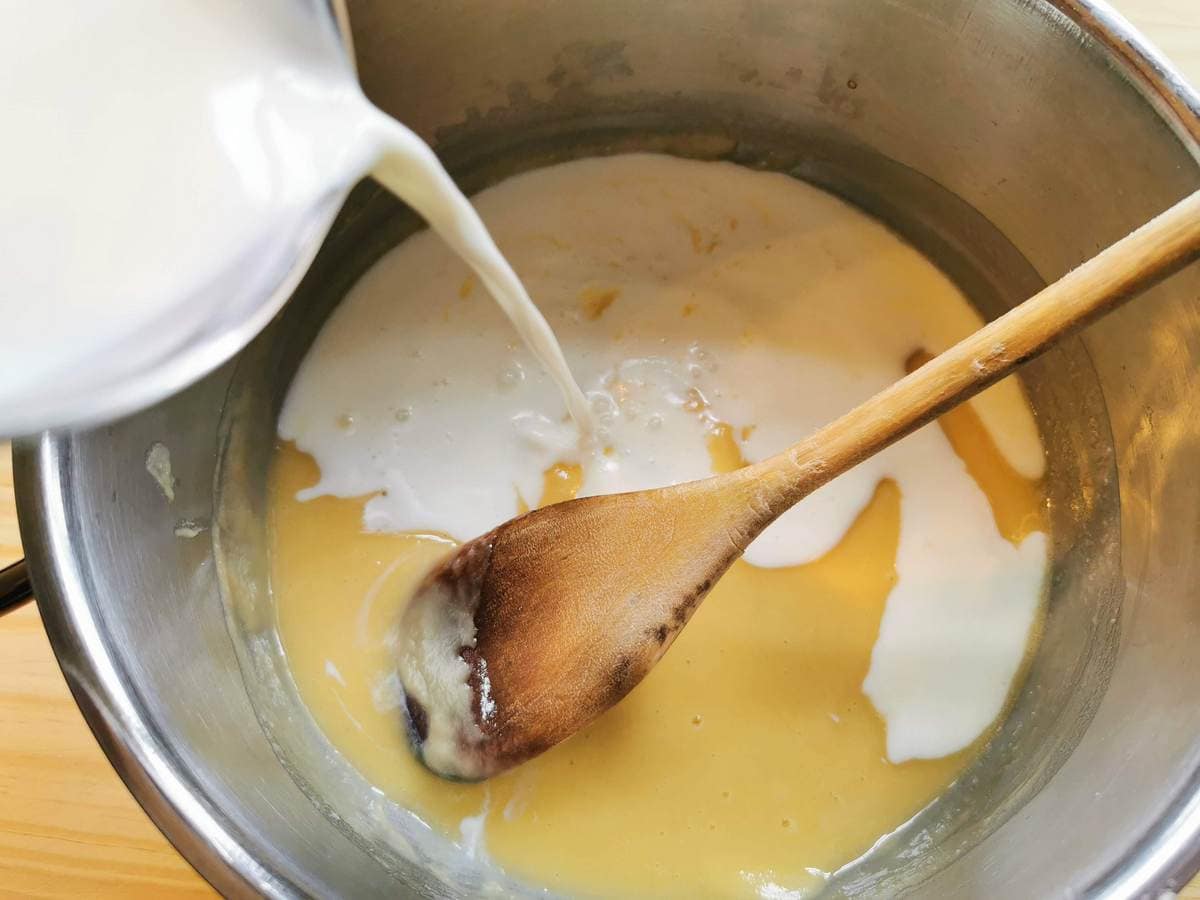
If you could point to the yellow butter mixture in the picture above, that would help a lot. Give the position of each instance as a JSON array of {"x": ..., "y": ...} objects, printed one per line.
[
  {"x": 834, "y": 682},
  {"x": 749, "y": 756}
]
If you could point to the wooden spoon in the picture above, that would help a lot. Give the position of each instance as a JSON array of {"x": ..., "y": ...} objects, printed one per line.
[{"x": 528, "y": 633}]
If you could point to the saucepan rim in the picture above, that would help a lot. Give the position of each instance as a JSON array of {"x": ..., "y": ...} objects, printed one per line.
[{"x": 1164, "y": 857}]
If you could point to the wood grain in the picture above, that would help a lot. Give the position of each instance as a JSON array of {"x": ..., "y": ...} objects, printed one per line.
[{"x": 68, "y": 827}]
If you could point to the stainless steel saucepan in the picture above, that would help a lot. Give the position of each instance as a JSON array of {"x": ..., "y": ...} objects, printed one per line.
[{"x": 1007, "y": 139}]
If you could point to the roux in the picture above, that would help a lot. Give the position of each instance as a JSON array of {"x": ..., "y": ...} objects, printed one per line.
[{"x": 832, "y": 684}]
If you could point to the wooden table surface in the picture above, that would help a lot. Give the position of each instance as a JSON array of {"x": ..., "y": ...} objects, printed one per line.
[{"x": 68, "y": 827}]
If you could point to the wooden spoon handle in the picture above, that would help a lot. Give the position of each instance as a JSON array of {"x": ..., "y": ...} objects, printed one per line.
[{"x": 1157, "y": 249}]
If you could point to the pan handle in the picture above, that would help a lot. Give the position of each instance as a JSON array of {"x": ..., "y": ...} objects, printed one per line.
[{"x": 15, "y": 586}]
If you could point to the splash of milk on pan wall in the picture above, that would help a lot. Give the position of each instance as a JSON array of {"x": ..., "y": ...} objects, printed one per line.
[{"x": 159, "y": 154}]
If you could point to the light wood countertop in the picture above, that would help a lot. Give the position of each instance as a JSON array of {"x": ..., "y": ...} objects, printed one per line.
[{"x": 68, "y": 826}]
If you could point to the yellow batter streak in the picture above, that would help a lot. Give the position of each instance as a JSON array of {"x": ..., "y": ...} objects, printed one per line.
[{"x": 749, "y": 757}]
